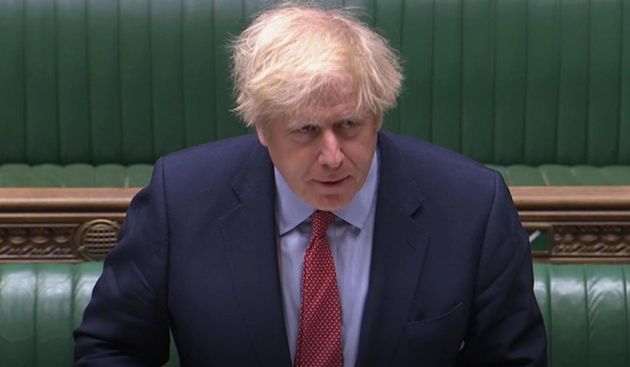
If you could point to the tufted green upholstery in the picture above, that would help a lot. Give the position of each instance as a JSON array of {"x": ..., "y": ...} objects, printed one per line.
[
  {"x": 586, "y": 313},
  {"x": 519, "y": 82},
  {"x": 40, "y": 305},
  {"x": 74, "y": 175},
  {"x": 585, "y": 309},
  {"x": 559, "y": 175},
  {"x": 111, "y": 175}
]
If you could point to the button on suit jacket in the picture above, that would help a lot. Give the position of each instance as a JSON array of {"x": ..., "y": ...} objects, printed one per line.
[{"x": 450, "y": 280}]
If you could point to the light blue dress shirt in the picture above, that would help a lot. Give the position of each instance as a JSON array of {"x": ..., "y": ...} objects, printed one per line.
[{"x": 350, "y": 238}]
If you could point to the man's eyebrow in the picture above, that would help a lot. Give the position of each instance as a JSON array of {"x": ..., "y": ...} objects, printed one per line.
[
  {"x": 356, "y": 116},
  {"x": 301, "y": 123}
]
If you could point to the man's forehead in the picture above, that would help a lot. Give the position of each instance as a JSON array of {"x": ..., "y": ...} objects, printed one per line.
[
  {"x": 332, "y": 100},
  {"x": 324, "y": 113}
]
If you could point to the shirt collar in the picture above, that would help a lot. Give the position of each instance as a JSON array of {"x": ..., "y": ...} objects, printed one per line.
[{"x": 292, "y": 210}]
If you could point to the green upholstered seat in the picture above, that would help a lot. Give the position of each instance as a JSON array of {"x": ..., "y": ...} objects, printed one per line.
[
  {"x": 138, "y": 175},
  {"x": 559, "y": 175},
  {"x": 40, "y": 306},
  {"x": 74, "y": 175},
  {"x": 586, "y": 310}
]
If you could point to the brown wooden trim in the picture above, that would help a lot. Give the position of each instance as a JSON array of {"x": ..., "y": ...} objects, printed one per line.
[
  {"x": 60, "y": 224},
  {"x": 58, "y": 240},
  {"x": 571, "y": 197},
  {"x": 591, "y": 198},
  {"x": 581, "y": 260},
  {"x": 45, "y": 217},
  {"x": 65, "y": 199},
  {"x": 582, "y": 224},
  {"x": 546, "y": 216}
]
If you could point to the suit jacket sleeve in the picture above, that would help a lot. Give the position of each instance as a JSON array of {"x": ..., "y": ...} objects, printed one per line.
[
  {"x": 126, "y": 323},
  {"x": 505, "y": 327}
]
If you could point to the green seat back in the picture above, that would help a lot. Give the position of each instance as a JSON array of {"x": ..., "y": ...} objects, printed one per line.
[
  {"x": 559, "y": 175},
  {"x": 74, "y": 175},
  {"x": 506, "y": 82},
  {"x": 110, "y": 175}
]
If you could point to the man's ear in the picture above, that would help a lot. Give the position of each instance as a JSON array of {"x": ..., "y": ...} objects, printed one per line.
[{"x": 261, "y": 135}]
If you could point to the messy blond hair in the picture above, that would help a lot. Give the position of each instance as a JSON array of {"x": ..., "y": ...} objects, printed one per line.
[{"x": 296, "y": 57}]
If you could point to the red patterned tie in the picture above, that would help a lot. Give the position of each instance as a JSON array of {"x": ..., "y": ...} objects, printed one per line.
[{"x": 319, "y": 336}]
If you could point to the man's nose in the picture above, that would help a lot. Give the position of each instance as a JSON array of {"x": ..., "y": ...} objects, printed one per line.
[{"x": 330, "y": 154}]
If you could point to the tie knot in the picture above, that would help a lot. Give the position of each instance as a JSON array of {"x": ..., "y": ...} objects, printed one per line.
[{"x": 321, "y": 221}]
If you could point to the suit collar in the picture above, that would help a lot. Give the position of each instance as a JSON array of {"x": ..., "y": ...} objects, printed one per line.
[
  {"x": 396, "y": 184},
  {"x": 398, "y": 253},
  {"x": 249, "y": 234}
]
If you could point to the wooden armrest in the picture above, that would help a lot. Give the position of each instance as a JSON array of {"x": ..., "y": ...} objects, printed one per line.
[
  {"x": 571, "y": 197},
  {"x": 66, "y": 199}
]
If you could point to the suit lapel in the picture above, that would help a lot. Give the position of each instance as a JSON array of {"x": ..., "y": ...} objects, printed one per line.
[
  {"x": 399, "y": 247},
  {"x": 249, "y": 232}
]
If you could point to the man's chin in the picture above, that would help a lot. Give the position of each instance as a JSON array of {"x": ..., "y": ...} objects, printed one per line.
[{"x": 330, "y": 202}]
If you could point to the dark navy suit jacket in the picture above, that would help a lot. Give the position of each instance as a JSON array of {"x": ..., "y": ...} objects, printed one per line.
[{"x": 450, "y": 279}]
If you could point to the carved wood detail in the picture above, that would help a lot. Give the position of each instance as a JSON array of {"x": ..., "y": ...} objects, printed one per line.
[
  {"x": 52, "y": 225},
  {"x": 583, "y": 224},
  {"x": 87, "y": 241},
  {"x": 591, "y": 240},
  {"x": 48, "y": 241}
]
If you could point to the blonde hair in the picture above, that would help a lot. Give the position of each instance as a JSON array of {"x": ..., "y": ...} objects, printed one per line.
[{"x": 299, "y": 56}]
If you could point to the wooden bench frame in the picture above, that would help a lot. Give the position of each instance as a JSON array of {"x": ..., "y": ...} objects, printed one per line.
[{"x": 582, "y": 223}]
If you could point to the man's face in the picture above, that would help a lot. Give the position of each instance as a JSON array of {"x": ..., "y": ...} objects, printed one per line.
[{"x": 325, "y": 155}]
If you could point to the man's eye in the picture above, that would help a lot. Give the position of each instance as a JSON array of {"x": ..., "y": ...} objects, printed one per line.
[
  {"x": 306, "y": 129},
  {"x": 349, "y": 124}
]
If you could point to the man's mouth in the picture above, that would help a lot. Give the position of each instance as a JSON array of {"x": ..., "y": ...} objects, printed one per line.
[{"x": 332, "y": 182}]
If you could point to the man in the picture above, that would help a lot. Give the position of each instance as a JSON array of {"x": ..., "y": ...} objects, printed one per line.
[{"x": 318, "y": 241}]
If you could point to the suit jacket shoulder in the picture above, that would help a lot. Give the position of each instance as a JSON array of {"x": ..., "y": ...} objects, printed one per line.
[{"x": 214, "y": 164}]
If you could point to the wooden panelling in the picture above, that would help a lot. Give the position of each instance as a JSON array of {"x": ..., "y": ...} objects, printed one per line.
[{"x": 577, "y": 224}]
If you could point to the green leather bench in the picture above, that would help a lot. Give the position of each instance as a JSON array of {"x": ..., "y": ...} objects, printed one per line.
[
  {"x": 40, "y": 306},
  {"x": 586, "y": 311},
  {"x": 138, "y": 175},
  {"x": 74, "y": 175},
  {"x": 537, "y": 88}
]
